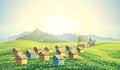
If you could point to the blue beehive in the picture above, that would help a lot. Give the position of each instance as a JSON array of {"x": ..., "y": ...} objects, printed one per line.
[
  {"x": 30, "y": 54},
  {"x": 68, "y": 48},
  {"x": 58, "y": 60}
]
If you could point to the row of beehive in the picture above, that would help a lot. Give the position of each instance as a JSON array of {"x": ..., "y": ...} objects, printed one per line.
[{"x": 44, "y": 55}]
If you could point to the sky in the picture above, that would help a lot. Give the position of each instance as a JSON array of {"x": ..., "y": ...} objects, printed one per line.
[{"x": 96, "y": 17}]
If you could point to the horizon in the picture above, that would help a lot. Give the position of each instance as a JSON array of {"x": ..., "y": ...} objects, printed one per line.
[
  {"x": 5, "y": 39},
  {"x": 84, "y": 17}
]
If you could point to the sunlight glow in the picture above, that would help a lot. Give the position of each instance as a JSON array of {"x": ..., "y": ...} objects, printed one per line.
[
  {"x": 58, "y": 25},
  {"x": 58, "y": 17}
]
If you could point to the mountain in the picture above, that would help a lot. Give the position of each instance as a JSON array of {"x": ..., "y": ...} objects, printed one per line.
[
  {"x": 68, "y": 37},
  {"x": 40, "y": 36},
  {"x": 73, "y": 37},
  {"x": 15, "y": 37},
  {"x": 99, "y": 38}
]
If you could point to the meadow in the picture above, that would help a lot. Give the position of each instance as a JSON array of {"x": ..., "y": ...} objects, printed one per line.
[{"x": 103, "y": 56}]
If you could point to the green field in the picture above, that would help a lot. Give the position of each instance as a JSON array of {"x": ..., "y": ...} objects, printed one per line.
[{"x": 103, "y": 56}]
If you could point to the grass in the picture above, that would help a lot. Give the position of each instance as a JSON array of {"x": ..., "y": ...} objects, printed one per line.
[{"x": 103, "y": 56}]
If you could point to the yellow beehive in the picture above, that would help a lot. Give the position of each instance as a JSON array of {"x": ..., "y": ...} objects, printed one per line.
[
  {"x": 80, "y": 49},
  {"x": 60, "y": 51},
  {"x": 16, "y": 51},
  {"x": 48, "y": 49},
  {"x": 21, "y": 59},
  {"x": 73, "y": 54},
  {"x": 44, "y": 56},
  {"x": 37, "y": 50}
]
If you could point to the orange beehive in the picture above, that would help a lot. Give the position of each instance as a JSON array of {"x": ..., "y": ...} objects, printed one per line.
[
  {"x": 16, "y": 51},
  {"x": 21, "y": 59},
  {"x": 48, "y": 49},
  {"x": 73, "y": 54},
  {"x": 44, "y": 56},
  {"x": 37, "y": 50},
  {"x": 80, "y": 49}
]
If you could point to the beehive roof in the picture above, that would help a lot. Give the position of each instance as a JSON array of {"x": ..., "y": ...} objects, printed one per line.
[
  {"x": 20, "y": 57},
  {"x": 57, "y": 46},
  {"x": 30, "y": 51},
  {"x": 59, "y": 57},
  {"x": 60, "y": 50},
  {"x": 44, "y": 53},
  {"x": 37, "y": 47},
  {"x": 80, "y": 48},
  {"x": 49, "y": 48},
  {"x": 73, "y": 52},
  {"x": 68, "y": 46},
  {"x": 17, "y": 49}
]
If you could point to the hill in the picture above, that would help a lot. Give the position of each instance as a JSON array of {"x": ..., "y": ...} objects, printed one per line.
[
  {"x": 103, "y": 56},
  {"x": 39, "y": 36},
  {"x": 15, "y": 36},
  {"x": 68, "y": 37},
  {"x": 73, "y": 37}
]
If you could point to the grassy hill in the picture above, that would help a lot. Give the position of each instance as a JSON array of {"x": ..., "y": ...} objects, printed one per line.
[
  {"x": 39, "y": 36},
  {"x": 103, "y": 56}
]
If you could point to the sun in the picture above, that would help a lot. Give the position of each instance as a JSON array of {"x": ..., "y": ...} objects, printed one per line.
[{"x": 58, "y": 25}]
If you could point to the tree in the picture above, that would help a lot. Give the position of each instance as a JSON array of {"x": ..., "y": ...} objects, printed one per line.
[
  {"x": 79, "y": 38},
  {"x": 90, "y": 39}
]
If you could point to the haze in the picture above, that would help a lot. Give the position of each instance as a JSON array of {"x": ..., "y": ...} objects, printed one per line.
[{"x": 98, "y": 17}]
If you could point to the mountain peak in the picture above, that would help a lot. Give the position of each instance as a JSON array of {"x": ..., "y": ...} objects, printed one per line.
[
  {"x": 37, "y": 31},
  {"x": 39, "y": 36}
]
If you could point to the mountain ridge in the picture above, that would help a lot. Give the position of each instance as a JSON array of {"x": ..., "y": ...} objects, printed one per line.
[{"x": 40, "y": 36}]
